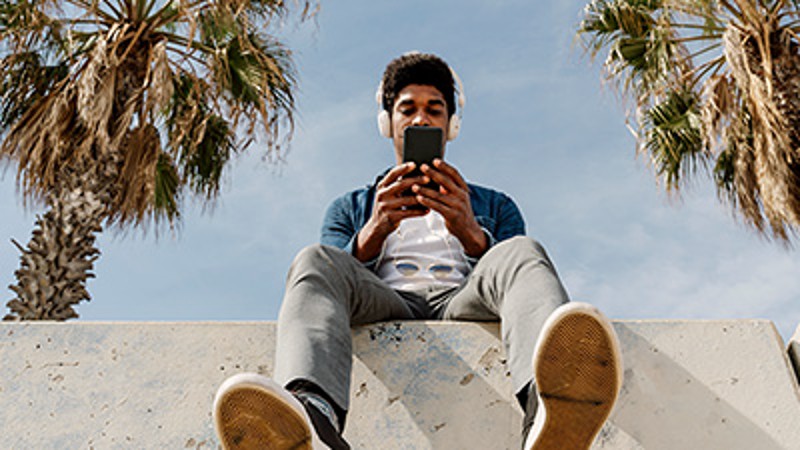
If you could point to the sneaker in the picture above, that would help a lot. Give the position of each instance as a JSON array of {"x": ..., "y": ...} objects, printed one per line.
[
  {"x": 252, "y": 412},
  {"x": 578, "y": 373}
]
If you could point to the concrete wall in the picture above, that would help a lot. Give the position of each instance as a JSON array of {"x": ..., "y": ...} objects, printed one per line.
[{"x": 417, "y": 385}]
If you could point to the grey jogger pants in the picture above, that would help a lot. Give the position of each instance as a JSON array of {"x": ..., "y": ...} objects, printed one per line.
[{"x": 328, "y": 291}]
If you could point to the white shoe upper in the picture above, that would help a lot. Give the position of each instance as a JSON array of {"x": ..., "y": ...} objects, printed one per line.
[{"x": 538, "y": 424}]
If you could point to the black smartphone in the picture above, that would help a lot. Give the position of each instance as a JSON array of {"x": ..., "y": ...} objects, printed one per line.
[{"x": 422, "y": 145}]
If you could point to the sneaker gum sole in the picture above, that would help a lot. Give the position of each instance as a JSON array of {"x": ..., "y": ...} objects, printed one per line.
[
  {"x": 578, "y": 382},
  {"x": 255, "y": 419}
]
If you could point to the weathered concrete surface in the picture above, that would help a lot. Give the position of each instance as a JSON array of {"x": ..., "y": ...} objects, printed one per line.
[{"x": 416, "y": 385}]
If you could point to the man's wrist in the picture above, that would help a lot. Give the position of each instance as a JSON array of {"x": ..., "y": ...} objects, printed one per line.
[
  {"x": 364, "y": 248},
  {"x": 479, "y": 243},
  {"x": 360, "y": 248}
]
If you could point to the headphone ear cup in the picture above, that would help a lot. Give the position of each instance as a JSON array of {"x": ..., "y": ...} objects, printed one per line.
[
  {"x": 454, "y": 128},
  {"x": 385, "y": 124}
]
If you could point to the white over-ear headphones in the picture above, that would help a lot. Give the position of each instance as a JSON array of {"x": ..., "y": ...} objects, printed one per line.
[{"x": 385, "y": 120}]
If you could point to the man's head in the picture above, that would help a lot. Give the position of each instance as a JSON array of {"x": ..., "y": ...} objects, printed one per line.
[
  {"x": 417, "y": 68},
  {"x": 417, "y": 89}
]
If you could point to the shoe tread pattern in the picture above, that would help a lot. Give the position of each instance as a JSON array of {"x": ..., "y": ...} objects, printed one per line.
[
  {"x": 578, "y": 383},
  {"x": 254, "y": 419}
]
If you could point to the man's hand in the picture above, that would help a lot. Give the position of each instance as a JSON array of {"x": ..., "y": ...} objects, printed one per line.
[
  {"x": 452, "y": 202},
  {"x": 390, "y": 208}
]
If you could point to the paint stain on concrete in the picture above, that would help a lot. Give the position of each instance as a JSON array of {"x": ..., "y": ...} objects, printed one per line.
[
  {"x": 62, "y": 364},
  {"x": 491, "y": 358},
  {"x": 192, "y": 443},
  {"x": 393, "y": 332},
  {"x": 362, "y": 390}
]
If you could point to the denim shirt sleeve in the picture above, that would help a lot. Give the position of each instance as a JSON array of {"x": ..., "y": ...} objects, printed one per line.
[
  {"x": 509, "y": 220},
  {"x": 498, "y": 216},
  {"x": 344, "y": 219},
  {"x": 338, "y": 226}
]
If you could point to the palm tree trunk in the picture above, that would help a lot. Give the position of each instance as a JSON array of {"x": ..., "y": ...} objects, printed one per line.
[{"x": 60, "y": 256}]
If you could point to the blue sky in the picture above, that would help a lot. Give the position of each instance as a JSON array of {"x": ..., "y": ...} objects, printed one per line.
[{"x": 538, "y": 124}]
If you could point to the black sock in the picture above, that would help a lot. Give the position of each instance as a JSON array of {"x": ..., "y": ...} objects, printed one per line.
[
  {"x": 522, "y": 396},
  {"x": 300, "y": 385}
]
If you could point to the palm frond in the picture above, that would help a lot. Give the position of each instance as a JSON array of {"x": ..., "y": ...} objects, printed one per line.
[
  {"x": 167, "y": 192},
  {"x": 713, "y": 81},
  {"x": 673, "y": 136},
  {"x": 203, "y": 141},
  {"x": 773, "y": 147},
  {"x": 203, "y": 167},
  {"x": 142, "y": 147},
  {"x": 718, "y": 108},
  {"x": 724, "y": 173},
  {"x": 608, "y": 20},
  {"x": 646, "y": 55},
  {"x": 78, "y": 83},
  {"x": 26, "y": 79}
]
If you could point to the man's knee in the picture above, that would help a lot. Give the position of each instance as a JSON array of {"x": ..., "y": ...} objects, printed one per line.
[
  {"x": 317, "y": 256},
  {"x": 309, "y": 253},
  {"x": 522, "y": 245},
  {"x": 317, "y": 270},
  {"x": 315, "y": 264}
]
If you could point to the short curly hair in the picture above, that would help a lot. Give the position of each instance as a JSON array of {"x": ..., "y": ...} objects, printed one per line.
[{"x": 418, "y": 68}]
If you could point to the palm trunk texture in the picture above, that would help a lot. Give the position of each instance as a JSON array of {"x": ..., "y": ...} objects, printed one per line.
[{"x": 60, "y": 256}]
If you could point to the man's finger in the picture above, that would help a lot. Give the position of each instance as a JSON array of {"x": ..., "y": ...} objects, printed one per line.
[
  {"x": 449, "y": 200},
  {"x": 396, "y": 203},
  {"x": 444, "y": 209},
  {"x": 401, "y": 186},
  {"x": 395, "y": 173},
  {"x": 392, "y": 190},
  {"x": 442, "y": 178},
  {"x": 451, "y": 172},
  {"x": 400, "y": 214}
]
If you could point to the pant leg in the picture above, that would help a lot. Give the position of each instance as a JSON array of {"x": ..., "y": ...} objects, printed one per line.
[
  {"x": 327, "y": 292},
  {"x": 516, "y": 282}
]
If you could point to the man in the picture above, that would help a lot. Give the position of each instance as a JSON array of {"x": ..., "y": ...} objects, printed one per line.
[{"x": 399, "y": 249}]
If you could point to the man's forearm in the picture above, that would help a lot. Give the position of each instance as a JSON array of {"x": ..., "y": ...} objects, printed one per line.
[
  {"x": 475, "y": 242},
  {"x": 367, "y": 244}
]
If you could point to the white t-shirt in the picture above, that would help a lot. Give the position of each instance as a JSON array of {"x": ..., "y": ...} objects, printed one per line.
[{"x": 421, "y": 252}]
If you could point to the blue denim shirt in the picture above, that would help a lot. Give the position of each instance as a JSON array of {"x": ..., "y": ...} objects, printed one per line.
[{"x": 494, "y": 211}]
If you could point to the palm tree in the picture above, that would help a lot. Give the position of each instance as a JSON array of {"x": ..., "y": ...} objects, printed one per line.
[
  {"x": 712, "y": 83},
  {"x": 113, "y": 110}
]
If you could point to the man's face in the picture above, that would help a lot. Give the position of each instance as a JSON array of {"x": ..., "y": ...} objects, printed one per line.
[{"x": 417, "y": 105}]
